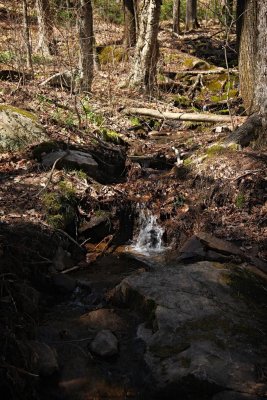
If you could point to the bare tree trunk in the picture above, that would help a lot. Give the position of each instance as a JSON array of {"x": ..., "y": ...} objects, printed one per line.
[
  {"x": 129, "y": 23},
  {"x": 191, "y": 15},
  {"x": 248, "y": 53},
  {"x": 46, "y": 42},
  {"x": 253, "y": 70},
  {"x": 176, "y": 15},
  {"x": 26, "y": 34},
  {"x": 143, "y": 72},
  {"x": 86, "y": 41},
  {"x": 261, "y": 75}
]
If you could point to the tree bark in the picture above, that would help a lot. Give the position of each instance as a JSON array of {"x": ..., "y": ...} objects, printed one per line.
[
  {"x": 248, "y": 53},
  {"x": 46, "y": 43},
  {"x": 252, "y": 27},
  {"x": 176, "y": 16},
  {"x": 191, "y": 15},
  {"x": 261, "y": 76},
  {"x": 129, "y": 23},
  {"x": 86, "y": 42},
  {"x": 26, "y": 35},
  {"x": 143, "y": 71}
]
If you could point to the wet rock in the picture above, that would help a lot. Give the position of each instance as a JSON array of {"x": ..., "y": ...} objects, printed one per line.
[
  {"x": 98, "y": 227},
  {"x": 18, "y": 129},
  {"x": 102, "y": 319},
  {"x": 207, "y": 330},
  {"x": 62, "y": 260},
  {"x": 63, "y": 283},
  {"x": 44, "y": 359},
  {"x": 105, "y": 344},
  {"x": 73, "y": 159}
]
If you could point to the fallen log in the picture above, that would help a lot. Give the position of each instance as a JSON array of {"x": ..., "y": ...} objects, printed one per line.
[
  {"x": 197, "y": 117},
  {"x": 180, "y": 74}
]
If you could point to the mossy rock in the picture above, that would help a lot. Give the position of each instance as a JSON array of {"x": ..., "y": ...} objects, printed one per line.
[
  {"x": 18, "y": 129},
  {"x": 112, "y": 54},
  {"x": 61, "y": 206},
  {"x": 112, "y": 136}
]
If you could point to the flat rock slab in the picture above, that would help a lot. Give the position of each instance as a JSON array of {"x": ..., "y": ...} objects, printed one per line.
[
  {"x": 18, "y": 129},
  {"x": 73, "y": 159},
  {"x": 206, "y": 328},
  {"x": 204, "y": 246}
]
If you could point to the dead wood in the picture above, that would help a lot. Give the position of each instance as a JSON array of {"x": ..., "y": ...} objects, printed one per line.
[
  {"x": 247, "y": 132},
  {"x": 180, "y": 74},
  {"x": 197, "y": 117}
]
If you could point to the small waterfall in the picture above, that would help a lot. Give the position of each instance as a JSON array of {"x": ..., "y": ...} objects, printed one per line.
[{"x": 150, "y": 234}]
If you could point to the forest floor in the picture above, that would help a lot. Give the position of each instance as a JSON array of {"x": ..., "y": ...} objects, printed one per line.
[{"x": 215, "y": 189}]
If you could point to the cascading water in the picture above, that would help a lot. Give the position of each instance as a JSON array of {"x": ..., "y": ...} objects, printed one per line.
[{"x": 150, "y": 234}]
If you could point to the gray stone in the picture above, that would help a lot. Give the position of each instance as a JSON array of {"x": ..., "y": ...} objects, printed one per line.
[
  {"x": 105, "y": 344},
  {"x": 18, "y": 129},
  {"x": 74, "y": 160},
  {"x": 207, "y": 329}
]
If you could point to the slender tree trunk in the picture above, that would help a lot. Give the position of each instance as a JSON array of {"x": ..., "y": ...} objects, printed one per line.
[
  {"x": 86, "y": 41},
  {"x": 229, "y": 12},
  {"x": 129, "y": 23},
  {"x": 46, "y": 43},
  {"x": 248, "y": 53},
  {"x": 26, "y": 34},
  {"x": 176, "y": 15},
  {"x": 143, "y": 72},
  {"x": 191, "y": 15}
]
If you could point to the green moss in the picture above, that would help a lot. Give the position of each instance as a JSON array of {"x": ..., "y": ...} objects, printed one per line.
[
  {"x": 240, "y": 200},
  {"x": 135, "y": 121},
  {"x": 112, "y": 54},
  {"x": 216, "y": 150},
  {"x": 214, "y": 86},
  {"x": 181, "y": 101},
  {"x": 189, "y": 62},
  {"x": 60, "y": 205},
  {"x": 25, "y": 113},
  {"x": 111, "y": 136},
  {"x": 6, "y": 56}
]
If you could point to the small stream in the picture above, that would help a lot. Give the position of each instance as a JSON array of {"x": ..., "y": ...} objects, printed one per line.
[{"x": 72, "y": 319}]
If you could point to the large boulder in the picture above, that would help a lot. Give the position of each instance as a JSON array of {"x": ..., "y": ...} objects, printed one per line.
[
  {"x": 18, "y": 129},
  {"x": 205, "y": 329}
]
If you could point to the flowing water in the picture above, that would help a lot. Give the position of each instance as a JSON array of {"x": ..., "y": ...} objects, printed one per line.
[{"x": 150, "y": 236}]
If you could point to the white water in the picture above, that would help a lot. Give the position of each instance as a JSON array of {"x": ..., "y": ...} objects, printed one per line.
[{"x": 149, "y": 239}]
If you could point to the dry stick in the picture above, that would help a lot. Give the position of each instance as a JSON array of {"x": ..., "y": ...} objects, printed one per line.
[
  {"x": 23, "y": 371},
  {"x": 51, "y": 173},
  {"x": 65, "y": 234},
  {"x": 148, "y": 112}
]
